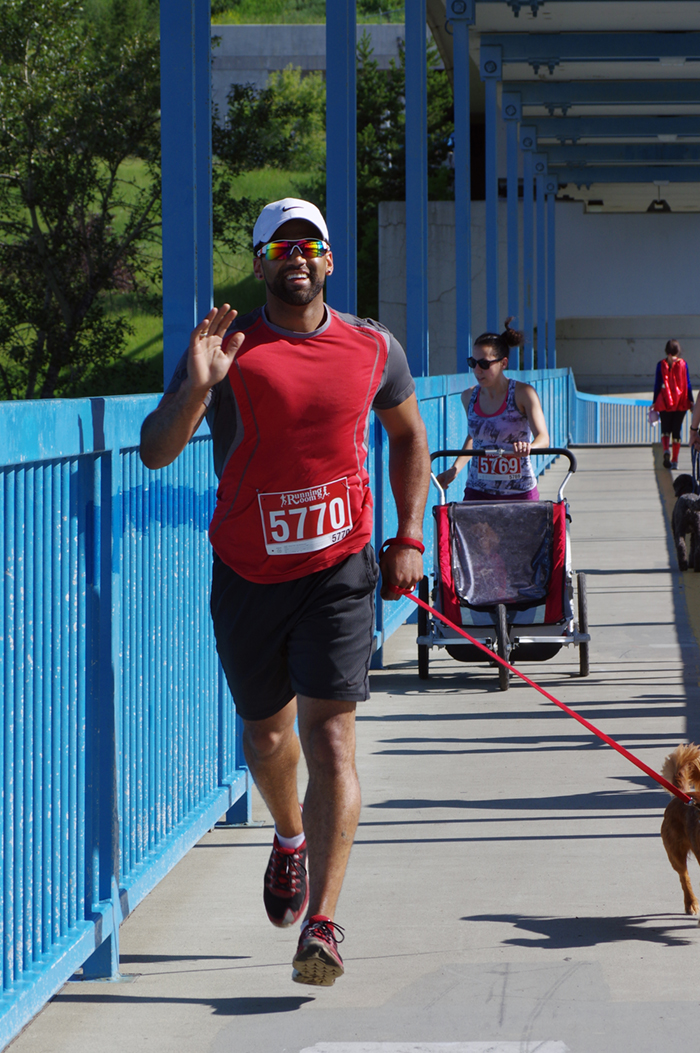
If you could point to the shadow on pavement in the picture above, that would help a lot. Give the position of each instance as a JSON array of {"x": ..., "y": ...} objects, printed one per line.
[
  {"x": 562, "y": 933},
  {"x": 220, "y": 1006}
]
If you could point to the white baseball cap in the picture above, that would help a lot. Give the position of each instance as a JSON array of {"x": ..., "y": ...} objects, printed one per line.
[{"x": 278, "y": 212}]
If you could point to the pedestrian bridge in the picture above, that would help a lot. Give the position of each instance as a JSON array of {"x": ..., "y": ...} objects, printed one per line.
[
  {"x": 508, "y": 889},
  {"x": 120, "y": 745}
]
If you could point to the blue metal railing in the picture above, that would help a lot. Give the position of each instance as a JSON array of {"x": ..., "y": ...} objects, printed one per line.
[
  {"x": 606, "y": 419},
  {"x": 119, "y": 742}
]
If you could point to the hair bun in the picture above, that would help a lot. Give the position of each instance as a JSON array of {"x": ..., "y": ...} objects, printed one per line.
[{"x": 513, "y": 337}]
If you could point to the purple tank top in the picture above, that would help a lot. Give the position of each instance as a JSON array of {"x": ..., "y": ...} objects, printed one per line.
[{"x": 499, "y": 475}]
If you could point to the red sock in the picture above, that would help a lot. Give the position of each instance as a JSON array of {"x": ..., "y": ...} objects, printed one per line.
[
  {"x": 665, "y": 442},
  {"x": 675, "y": 450}
]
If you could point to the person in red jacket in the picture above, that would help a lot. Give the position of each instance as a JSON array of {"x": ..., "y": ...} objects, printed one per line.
[
  {"x": 287, "y": 391},
  {"x": 673, "y": 397}
]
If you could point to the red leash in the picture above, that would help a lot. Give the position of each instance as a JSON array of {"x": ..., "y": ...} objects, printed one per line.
[{"x": 572, "y": 713}]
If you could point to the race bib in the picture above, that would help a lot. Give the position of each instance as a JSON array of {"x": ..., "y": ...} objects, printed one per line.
[
  {"x": 305, "y": 520},
  {"x": 491, "y": 466}
]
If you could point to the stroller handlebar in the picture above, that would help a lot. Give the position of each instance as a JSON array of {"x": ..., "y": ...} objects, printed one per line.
[
  {"x": 496, "y": 449},
  {"x": 559, "y": 450}
]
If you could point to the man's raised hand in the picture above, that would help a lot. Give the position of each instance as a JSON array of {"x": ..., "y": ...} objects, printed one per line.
[{"x": 207, "y": 363}]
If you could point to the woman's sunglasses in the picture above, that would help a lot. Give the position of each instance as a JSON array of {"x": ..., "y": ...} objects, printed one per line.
[
  {"x": 482, "y": 363},
  {"x": 310, "y": 249}
]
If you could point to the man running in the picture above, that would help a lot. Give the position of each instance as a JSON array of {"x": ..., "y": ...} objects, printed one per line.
[{"x": 287, "y": 391}]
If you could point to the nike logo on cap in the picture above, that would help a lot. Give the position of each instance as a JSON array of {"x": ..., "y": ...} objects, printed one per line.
[{"x": 289, "y": 207}]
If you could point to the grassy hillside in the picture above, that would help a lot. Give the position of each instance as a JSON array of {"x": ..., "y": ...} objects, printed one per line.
[{"x": 240, "y": 12}]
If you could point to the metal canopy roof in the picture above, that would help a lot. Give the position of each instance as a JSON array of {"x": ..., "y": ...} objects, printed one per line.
[{"x": 626, "y": 73}]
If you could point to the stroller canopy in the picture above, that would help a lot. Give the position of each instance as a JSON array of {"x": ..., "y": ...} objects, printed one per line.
[{"x": 501, "y": 552}]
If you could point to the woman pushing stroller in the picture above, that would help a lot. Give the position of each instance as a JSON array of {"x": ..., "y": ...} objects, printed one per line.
[{"x": 502, "y": 414}]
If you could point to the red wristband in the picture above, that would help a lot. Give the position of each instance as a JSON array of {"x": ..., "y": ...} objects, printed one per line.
[{"x": 409, "y": 542}]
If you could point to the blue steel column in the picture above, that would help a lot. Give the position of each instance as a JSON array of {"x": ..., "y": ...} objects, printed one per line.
[
  {"x": 185, "y": 47},
  {"x": 202, "y": 120},
  {"x": 461, "y": 14},
  {"x": 416, "y": 94},
  {"x": 528, "y": 142},
  {"x": 341, "y": 151},
  {"x": 103, "y": 743},
  {"x": 490, "y": 62},
  {"x": 540, "y": 167},
  {"x": 511, "y": 111},
  {"x": 551, "y": 187}
]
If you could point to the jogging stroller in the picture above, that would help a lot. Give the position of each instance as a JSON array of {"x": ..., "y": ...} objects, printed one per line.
[{"x": 502, "y": 571}]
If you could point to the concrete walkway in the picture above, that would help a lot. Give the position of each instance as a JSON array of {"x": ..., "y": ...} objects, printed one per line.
[{"x": 508, "y": 891}]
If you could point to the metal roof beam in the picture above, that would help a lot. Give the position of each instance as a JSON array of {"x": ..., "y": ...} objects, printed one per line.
[
  {"x": 561, "y": 95},
  {"x": 632, "y": 174},
  {"x": 622, "y": 153},
  {"x": 549, "y": 49},
  {"x": 574, "y": 128}
]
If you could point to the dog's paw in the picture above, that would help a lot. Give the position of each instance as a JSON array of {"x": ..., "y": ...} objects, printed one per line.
[{"x": 693, "y": 908}]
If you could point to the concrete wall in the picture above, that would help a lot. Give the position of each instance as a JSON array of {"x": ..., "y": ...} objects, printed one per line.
[
  {"x": 247, "y": 54},
  {"x": 441, "y": 276},
  {"x": 625, "y": 284}
]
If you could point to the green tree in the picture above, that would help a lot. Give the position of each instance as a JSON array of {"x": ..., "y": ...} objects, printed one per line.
[
  {"x": 380, "y": 7},
  {"x": 279, "y": 126},
  {"x": 283, "y": 126},
  {"x": 75, "y": 106}
]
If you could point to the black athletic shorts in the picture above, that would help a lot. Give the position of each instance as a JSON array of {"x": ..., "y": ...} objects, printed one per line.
[
  {"x": 672, "y": 422},
  {"x": 311, "y": 636}
]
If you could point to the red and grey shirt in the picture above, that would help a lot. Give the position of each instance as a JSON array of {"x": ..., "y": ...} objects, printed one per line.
[{"x": 289, "y": 425}]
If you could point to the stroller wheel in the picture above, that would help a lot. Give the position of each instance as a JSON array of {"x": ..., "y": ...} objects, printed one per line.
[
  {"x": 584, "y": 666},
  {"x": 423, "y": 649},
  {"x": 503, "y": 645}
]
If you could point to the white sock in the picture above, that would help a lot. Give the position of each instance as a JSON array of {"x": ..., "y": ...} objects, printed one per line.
[{"x": 290, "y": 842}]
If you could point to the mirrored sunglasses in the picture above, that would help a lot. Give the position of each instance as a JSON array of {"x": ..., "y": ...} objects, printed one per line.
[
  {"x": 482, "y": 363},
  {"x": 310, "y": 249}
]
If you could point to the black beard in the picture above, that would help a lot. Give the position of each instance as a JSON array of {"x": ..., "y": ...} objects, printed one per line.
[{"x": 291, "y": 295}]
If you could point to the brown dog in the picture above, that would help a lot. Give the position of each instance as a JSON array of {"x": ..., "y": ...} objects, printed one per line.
[{"x": 680, "y": 829}]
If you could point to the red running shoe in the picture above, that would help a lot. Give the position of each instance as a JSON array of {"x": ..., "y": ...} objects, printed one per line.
[
  {"x": 286, "y": 893},
  {"x": 317, "y": 961}
]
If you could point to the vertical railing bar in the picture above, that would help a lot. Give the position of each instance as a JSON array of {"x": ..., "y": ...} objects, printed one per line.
[
  {"x": 72, "y": 760},
  {"x": 48, "y": 573},
  {"x": 23, "y": 752},
  {"x": 130, "y": 528},
  {"x": 124, "y": 704},
  {"x": 86, "y": 507},
  {"x": 198, "y": 699},
  {"x": 9, "y": 733},
  {"x": 38, "y": 656},
  {"x": 140, "y": 692},
  {"x": 18, "y": 759},
  {"x": 186, "y": 638},
  {"x": 172, "y": 687},
  {"x": 30, "y": 728},
  {"x": 159, "y": 681},
  {"x": 150, "y": 586},
  {"x": 65, "y": 638},
  {"x": 184, "y": 667},
  {"x": 56, "y": 695}
]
